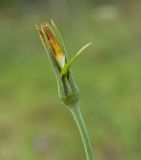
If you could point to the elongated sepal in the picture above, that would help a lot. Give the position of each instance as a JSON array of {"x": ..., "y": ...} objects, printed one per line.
[{"x": 73, "y": 59}]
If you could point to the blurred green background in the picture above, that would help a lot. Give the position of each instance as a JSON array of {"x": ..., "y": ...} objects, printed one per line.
[{"x": 34, "y": 124}]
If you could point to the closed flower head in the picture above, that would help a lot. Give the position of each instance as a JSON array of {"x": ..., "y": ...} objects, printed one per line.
[
  {"x": 54, "y": 45},
  {"x": 51, "y": 43}
]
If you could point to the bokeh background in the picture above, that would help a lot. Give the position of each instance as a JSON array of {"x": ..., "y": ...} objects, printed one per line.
[{"x": 34, "y": 124}]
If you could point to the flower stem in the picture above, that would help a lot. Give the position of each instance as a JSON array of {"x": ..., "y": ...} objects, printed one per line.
[{"x": 75, "y": 110}]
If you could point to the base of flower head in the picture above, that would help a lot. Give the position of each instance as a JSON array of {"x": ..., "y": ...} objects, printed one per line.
[{"x": 70, "y": 99}]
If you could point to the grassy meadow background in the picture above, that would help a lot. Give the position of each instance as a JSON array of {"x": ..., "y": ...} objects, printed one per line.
[{"x": 34, "y": 124}]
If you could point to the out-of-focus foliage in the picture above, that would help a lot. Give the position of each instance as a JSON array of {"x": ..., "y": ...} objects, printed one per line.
[{"x": 34, "y": 124}]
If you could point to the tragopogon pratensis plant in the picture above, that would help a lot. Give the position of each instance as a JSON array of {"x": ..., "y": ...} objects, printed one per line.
[{"x": 67, "y": 88}]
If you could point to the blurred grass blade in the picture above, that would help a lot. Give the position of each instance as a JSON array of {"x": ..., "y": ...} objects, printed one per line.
[
  {"x": 58, "y": 34},
  {"x": 67, "y": 66}
]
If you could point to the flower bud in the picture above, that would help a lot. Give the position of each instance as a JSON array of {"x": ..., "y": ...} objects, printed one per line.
[{"x": 53, "y": 43}]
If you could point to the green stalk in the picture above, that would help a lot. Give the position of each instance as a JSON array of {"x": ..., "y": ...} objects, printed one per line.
[{"x": 75, "y": 110}]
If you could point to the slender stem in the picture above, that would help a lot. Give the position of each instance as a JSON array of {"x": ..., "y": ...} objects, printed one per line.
[{"x": 75, "y": 110}]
